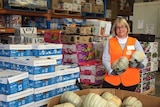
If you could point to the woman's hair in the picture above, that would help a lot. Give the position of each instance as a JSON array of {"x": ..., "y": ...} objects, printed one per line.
[{"x": 122, "y": 21}]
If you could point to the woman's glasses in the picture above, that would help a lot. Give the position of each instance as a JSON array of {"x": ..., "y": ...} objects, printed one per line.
[{"x": 120, "y": 27}]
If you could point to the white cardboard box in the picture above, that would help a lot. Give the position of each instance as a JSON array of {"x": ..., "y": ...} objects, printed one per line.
[
  {"x": 101, "y": 28},
  {"x": 10, "y": 76},
  {"x": 16, "y": 96}
]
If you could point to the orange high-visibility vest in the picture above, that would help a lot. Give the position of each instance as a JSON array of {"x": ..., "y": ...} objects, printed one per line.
[{"x": 132, "y": 75}]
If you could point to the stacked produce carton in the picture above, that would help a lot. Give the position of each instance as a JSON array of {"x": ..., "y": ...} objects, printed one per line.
[
  {"x": 42, "y": 63},
  {"x": 148, "y": 73}
]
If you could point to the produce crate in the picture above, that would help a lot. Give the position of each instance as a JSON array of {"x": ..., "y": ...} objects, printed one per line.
[{"x": 147, "y": 100}]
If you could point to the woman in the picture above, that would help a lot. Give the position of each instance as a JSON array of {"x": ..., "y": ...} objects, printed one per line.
[{"x": 121, "y": 45}]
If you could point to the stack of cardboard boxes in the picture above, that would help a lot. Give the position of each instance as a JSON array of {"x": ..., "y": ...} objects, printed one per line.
[
  {"x": 148, "y": 74},
  {"x": 89, "y": 6}
]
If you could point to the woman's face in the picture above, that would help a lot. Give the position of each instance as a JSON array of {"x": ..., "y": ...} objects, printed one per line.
[{"x": 121, "y": 30}]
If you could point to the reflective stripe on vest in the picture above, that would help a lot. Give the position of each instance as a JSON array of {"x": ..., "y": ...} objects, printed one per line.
[{"x": 132, "y": 75}]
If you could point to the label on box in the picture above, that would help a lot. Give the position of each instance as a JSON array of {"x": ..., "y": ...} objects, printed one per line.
[{"x": 28, "y": 31}]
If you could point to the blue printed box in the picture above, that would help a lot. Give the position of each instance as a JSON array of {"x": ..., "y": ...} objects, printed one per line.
[
  {"x": 17, "y": 99},
  {"x": 44, "y": 95},
  {"x": 58, "y": 58},
  {"x": 35, "y": 65},
  {"x": 41, "y": 69},
  {"x": 41, "y": 80},
  {"x": 19, "y": 102},
  {"x": 16, "y": 50},
  {"x": 62, "y": 90},
  {"x": 13, "y": 81},
  {"x": 61, "y": 78},
  {"x": 41, "y": 83},
  {"x": 6, "y": 62},
  {"x": 45, "y": 92},
  {"x": 67, "y": 72},
  {"x": 47, "y": 49},
  {"x": 66, "y": 86}
]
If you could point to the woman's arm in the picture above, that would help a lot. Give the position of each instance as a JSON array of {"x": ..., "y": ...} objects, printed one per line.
[{"x": 106, "y": 58}]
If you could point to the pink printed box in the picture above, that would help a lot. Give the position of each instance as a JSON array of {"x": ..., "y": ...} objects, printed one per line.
[
  {"x": 52, "y": 37},
  {"x": 91, "y": 79},
  {"x": 78, "y": 58},
  {"x": 75, "y": 48},
  {"x": 93, "y": 67}
]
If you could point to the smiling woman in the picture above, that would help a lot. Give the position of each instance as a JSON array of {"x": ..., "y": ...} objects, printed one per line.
[
  {"x": 121, "y": 45},
  {"x": 120, "y": 28}
]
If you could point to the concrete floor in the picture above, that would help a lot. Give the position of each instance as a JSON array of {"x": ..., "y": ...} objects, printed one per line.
[{"x": 157, "y": 92}]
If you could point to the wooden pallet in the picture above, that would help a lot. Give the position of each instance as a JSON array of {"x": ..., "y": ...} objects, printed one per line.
[
  {"x": 66, "y": 12},
  {"x": 151, "y": 91}
]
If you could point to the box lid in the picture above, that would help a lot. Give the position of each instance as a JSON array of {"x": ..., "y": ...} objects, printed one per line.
[
  {"x": 10, "y": 76},
  {"x": 47, "y": 46},
  {"x": 35, "y": 61},
  {"x": 42, "y": 76},
  {"x": 16, "y": 46}
]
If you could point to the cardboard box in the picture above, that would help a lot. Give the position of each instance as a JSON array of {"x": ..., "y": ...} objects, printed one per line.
[
  {"x": 15, "y": 21},
  {"x": 101, "y": 27},
  {"x": 147, "y": 100},
  {"x": 16, "y": 50},
  {"x": 34, "y": 40},
  {"x": 47, "y": 49},
  {"x": 108, "y": 13},
  {"x": 83, "y": 30},
  {"x": 52, "y": 37},
  {"x": 150, "y": 46},
  {"x": 65, "y": 6},
  {"x": 78, "y": 57},
  {"x": 99, "y": 2},
  {"x": 12, "y": 81},
  {"x": 2, "y": 20},
  {"x": 91, "y": 79},
  {"x": 86, "y": 7},
  {"x": 76, "y": 39},
  {"x": 41, "y": 80},
  {"x": 18, "y": 99},
  {"x": 93, "y": 67},
  {"x": 76, "y": 7},
  {"x": 97, "y": 9},
  {"x": 98, "y": 49},
  {"x": 35, "y": 65},
  {"x": 7, "y": 39},
  {"x": 75, "y": 48}
]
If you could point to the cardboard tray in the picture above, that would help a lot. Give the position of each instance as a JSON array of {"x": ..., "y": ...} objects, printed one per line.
[{"x": 147, "y": 100}]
